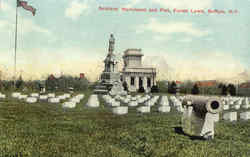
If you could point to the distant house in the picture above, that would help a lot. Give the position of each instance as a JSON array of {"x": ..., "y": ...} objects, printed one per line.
[
  {"x": 245, "y": 85},
  {"x": 178, "y": 82},
  {"x": 82, "y": 75},
  {"x": 51, "y": 77},
  {"x": 207, "y": 83}
]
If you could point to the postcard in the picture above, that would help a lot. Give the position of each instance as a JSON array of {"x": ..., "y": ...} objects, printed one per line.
[{"x": 124, "y": 78}]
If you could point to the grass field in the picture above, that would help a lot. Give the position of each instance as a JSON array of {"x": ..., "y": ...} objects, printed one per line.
[{"x": 48, "y": 130}]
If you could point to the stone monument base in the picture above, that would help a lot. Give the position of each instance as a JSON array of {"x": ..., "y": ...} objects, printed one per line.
[
  {"x": 117, "y": 89},
  {"x": 114, "y": 88},
  {"x": 101, "y": 88}
]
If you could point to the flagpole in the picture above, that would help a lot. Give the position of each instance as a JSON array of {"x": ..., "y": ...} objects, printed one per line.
[{"x": 15, "y": 46}]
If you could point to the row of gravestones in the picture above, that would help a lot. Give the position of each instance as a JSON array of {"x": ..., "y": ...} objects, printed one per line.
[
  {"x": 235, "y": 103},
  {"x": 143, "y": 103},
  {"x": 36, "y": 97},
  {"x": 73, "y": 101},
  {"x": 147, "y": 101},
  {"x": 164, "y": 102},
  {"x": 50, "y": 97}
]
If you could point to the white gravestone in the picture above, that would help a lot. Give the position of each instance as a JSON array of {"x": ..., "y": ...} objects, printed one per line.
[
  {"x": 67, "y": 95},
  {"x": 149, "y": 103},
  {"x": 75, "y": 100},
  {"x": 121, "y": 110},
  {"x": 43, "y": 97},
  {"x": 31, "y": 100},
  {"x": 164, "y": 109},
  {"x": 245, "y": 115},
  {"x": 15, "y": 95},
  {"x": 62, "y": 97},
  {"x": 69, "y": 105},
  {"x": 164, "y": 101},
  {"x": 2, "y": 96},
  {"x": 34, "y": 95},
  {"x": 230, "y": 116},
  {"x": 226, "y": 107},
  {"x": 93, "y": 101},
  {"x": 245, "y": 104},
  {"x": 144, "y": 109},
  {"x": 54, "y": 100},
  {"x": 115, "y": 104},
  {"x": 236, "y": 107},
  {"x": 132, "y": 104},
  {"x": 20, "y": 97},
  {"x": 80, "y": 96},
  {"x": 51, "y": 95}
]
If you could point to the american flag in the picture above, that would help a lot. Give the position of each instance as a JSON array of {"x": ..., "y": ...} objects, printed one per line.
[{"x": 25, "y": 6}]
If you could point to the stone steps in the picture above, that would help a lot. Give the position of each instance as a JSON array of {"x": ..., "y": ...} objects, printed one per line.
[
  {"x": 100, "y": 87},
  {"x": 100, "y": 91}
]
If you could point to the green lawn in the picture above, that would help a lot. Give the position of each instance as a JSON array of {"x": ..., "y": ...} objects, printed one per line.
[{"x": 47, "y": 130}]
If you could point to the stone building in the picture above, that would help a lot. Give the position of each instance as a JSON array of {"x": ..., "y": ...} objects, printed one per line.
[{"x": 133, "y": 72}]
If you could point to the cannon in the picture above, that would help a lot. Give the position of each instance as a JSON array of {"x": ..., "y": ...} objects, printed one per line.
[{"x": 199, "y": 116}]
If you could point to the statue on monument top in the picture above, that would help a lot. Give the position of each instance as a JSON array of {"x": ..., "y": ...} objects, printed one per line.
[{"x": 111, "y": 44}]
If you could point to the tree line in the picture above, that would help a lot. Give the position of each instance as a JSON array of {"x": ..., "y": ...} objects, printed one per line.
[
  {"x": 63, "y": 83},
  {"x": 190, "y": 87}
]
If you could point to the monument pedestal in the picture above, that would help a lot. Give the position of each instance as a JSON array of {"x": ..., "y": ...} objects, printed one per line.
[{"x": 110, "y": 77}]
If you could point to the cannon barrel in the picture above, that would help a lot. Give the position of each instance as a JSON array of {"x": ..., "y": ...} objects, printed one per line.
[{"x": 203, "y": 105}]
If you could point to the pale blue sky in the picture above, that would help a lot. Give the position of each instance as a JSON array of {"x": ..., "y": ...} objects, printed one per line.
[{"x": 71, "y": 36}]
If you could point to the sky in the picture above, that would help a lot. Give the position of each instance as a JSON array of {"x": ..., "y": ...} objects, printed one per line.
[{"x": 71, "y": 37}]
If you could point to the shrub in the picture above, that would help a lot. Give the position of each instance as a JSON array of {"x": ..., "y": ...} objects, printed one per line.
[
  {"x": 232, "y": 89},
  {"x": 154, "y": 89},
  {"x": 195, "y": 90},
  {"x": 125, "y": 86},
  {"x": 172, "y": 88},
  {"x": 163, "y": 86},
  {"x": 224, "y": 90},
  {"x": 141, "y": 90}
]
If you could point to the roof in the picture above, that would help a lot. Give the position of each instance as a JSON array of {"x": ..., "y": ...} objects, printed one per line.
[
  {"x": 133, "y": 52},
  {"x": 139, "y": 70},
  {"x": 178, "y": 82},
  {"x": 209, "y": 83},
  {"x": 245, "y": 85}
]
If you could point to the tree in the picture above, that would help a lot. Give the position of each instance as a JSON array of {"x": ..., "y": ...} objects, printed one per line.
[
  {"x": 195, "y": 89},
  {"x": 81, "y": 84},
  {"x": 163, "y": 86},
  {"x": 154, "y": 89},
  {"x": 187, "y": 87},
  {"x": 232, "y": 89},
  {"x": 51, "y": 83},
  {"x": 141, "y": 89},
  {"x": 172, "y": 88},
  {"x": 125, "y": 86},
  {"x": 220, "y": 85},
  {"x": 7, "y": 85},
  {"x": 19, "y": 83},
  {"x": 224, "y": 90}
]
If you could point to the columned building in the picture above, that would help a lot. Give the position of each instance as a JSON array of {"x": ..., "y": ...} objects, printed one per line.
[{"x": 133, "y": 72}]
